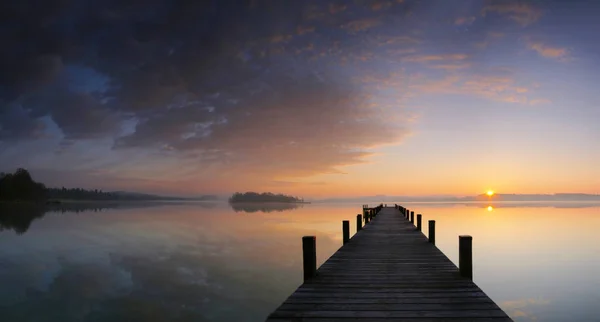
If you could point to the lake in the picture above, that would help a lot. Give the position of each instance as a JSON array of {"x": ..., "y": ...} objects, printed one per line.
[{"x": 209, "y": 262}]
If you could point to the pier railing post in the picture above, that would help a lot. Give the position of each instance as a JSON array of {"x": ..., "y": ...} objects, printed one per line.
[
  {"x": 346, "y": 231},
  {"x": 419, "y": 228},
  {"x": 309, "y": 256},
  {"x": 432, "y": 231},
  {"x": 406, "y": 214},
  {"x": 358, "y": 222},
  {"x": 366, "y": 217},
  {"x": 412, "y": 217},
  {"x": 465, "y": 256}
]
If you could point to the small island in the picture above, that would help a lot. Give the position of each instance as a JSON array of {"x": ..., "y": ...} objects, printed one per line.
[{"x": 255, "y": 197}]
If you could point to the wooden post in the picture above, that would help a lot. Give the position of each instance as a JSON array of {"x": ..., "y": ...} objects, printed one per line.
[
  {"x": 366, "y": 218},
  {"x": 346, "y": 231},
  {"x": 412, "y": 217},
  {"x": 432, "y": 231},
  {"x": 406, "y": 214},
  {"x": 465, "y": 256},
  {"x": 358, "y": 222},
  {"x": 419, "y": 222},
  {"x": 309, "y": 256}
]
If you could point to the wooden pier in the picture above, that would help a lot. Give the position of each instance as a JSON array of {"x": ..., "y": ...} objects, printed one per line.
[{"x": 388, "y": 271}]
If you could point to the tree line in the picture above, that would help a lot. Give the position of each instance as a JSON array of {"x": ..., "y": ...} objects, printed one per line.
[
  {"x": 239, "y": 197},
  {"x": 20, "y": 186}
]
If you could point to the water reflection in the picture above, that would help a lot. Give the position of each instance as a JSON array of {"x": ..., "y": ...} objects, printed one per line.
[
  {"x": 197, "y": 263},
  {"x": 18, "y": 217},
  {"x": 530, "y": 204},
  {"x": 264, "y": 207},
  {"x": 176, "y": 263}
]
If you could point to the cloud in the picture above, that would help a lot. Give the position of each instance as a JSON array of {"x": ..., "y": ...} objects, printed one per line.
[
  {"x": 430, "y": 58},
  {"x": 395, "y": 40},
  {"x": 361, "y": 24},
  {"x": 302, "y": 30},
  {"x": 464, "y": 20},
  {"x": 557, "y": 53},
  {"x": 539, "y": 101},
  {"x": 336, "y": 8},
  {"x": 451, "y": 66},
  {"x": 489, "y": 38},
  {"x": 294, "y": 127},
  {"x": 15, "y": 124},
  {"x": 496, "y": 87},
  {"x": 520, "y": 12},
  {"x": 380, "y": 5}
]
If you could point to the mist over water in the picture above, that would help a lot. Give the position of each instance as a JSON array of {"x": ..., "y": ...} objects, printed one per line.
[{"x": 193, "y": 262}]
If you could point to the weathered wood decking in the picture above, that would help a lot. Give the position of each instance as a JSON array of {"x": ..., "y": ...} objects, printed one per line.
[{"x": 388, "y": 271}]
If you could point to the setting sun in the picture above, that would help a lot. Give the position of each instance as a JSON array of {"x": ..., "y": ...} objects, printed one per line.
[{"x": 490, "y": 193}]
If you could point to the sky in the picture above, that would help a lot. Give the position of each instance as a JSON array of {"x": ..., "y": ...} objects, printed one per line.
[{"x": 312, "y": 98}]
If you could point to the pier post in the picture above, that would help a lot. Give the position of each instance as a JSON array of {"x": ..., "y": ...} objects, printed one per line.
[
  {"x": 465, "y": 256},
  {"x": 419, "y": 228},
  {"x": 366, "y": 217},
  {"x": 412, "y": 217},
  {"x": 346, "y": 231},
  {"x": 407, "y": 213},
  {"x": 358, "y": 222},
  {"x": 309, "y": 256},
  {"x": 432, "y": 231}
]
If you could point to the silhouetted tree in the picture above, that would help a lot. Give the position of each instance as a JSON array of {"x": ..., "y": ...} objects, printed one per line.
[{"x": 20, "y": 186}]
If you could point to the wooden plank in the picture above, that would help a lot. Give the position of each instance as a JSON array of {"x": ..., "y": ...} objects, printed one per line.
[
  {"x": 441, "y": 299},
  {"x": 391, "y": 295},
  {"x": 447, "y": 319},
  {"x": 388, "y": 270},
  {"x": 388, "y": 290},
  {"x": 386, "y": 306},
  {"x": 390, "y": 314}
]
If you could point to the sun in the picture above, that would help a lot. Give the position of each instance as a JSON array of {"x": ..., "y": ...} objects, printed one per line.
[{"x": 490, "y": 193}]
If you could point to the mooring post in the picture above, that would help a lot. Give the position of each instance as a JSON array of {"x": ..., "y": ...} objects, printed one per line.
[
  {"x": 412, "y": 217},
  {"x": 465, "y": 256},
  {"x": 309, "y": 256},
  {"x": 358, "y": 222},
  {"x": 432, "y": 231},
  {"x": 406, "y": 214},
  {"x": 419, "y": 222},
  {"x": 366, "y": 218},
  {"x": 346, "y": 231}
]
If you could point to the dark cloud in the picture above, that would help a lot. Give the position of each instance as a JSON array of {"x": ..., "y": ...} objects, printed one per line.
[
  {"x": 232, "y": 81},
  {"x": 15, "y": 123},
  {"x": 300, "y": 125}
]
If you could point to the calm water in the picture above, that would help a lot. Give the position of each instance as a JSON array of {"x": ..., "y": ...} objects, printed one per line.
[{"x": 210, "y": 263}]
